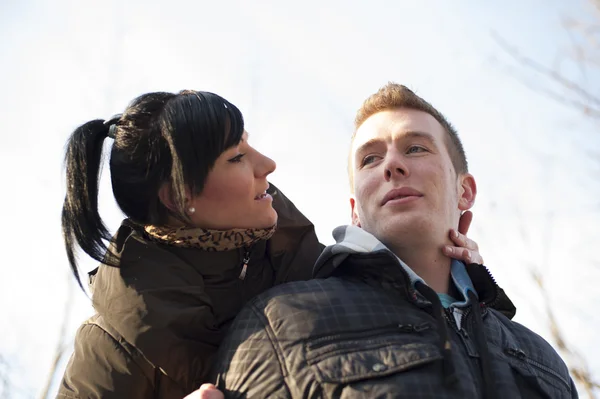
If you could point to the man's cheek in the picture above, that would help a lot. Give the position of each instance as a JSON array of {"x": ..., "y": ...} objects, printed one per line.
[{"x": 369, "y": 198}]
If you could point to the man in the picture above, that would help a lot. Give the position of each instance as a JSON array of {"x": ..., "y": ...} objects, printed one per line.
[{"x": 388, "y": 314}]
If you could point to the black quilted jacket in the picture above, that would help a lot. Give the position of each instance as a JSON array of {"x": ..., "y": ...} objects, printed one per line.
[{"x": 360, "y": 330}]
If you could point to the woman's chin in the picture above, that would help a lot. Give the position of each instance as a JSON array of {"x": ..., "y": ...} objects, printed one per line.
[
  {"x": 272, "y": 220},
  {"x": 269, "y": 220}
]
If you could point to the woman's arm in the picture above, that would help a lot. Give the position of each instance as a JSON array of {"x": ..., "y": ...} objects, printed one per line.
[
  {"x": 100, "y": 367},
  {"x": 294, "y": 248}
]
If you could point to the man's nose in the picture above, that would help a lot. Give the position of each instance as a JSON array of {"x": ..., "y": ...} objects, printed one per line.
[{"x": 395, "y": 166}]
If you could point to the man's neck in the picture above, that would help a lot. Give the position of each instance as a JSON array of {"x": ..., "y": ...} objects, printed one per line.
[{"x": 429, "y": 264}]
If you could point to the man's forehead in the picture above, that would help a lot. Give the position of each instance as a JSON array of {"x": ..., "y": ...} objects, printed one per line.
[{"x": 393, "y": 124}]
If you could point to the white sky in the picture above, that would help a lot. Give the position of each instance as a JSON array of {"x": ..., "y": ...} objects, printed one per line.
[{"x": 298, "y": 71}]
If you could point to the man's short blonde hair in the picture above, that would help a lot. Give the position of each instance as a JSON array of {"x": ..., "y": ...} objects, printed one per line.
[{"x": 394, "y": 96}]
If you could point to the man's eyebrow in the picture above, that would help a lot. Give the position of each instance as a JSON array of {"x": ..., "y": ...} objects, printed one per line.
[
  {"x": 368, "y": 145},
  {"x": 417, "y": 134},
  {"x": 406, "y": 135}
]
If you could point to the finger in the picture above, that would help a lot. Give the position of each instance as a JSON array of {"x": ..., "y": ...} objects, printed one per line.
[
  {"x": 207, "y": 386},
  {"x": 212, "y": 394},
  {"x": 206, "y": 391},
  {"x": 194, "y": 395},
  {"x": 465, "y": 222},
  {"x": 464, "y": 254},
  {"x": 463, "y": 241}
]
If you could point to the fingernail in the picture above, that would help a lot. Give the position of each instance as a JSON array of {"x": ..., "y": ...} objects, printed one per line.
[
  {"x": 454, "y": 233},
  {"x": 448, "y": 249}
]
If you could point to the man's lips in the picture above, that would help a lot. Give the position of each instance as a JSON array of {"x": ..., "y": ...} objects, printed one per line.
[{"x": 399, "y": 193}]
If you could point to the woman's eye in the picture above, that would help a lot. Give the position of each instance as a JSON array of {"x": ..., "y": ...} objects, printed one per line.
[
  {"x": 415, "y": 149},
  {"x": 237, "y": 158}
]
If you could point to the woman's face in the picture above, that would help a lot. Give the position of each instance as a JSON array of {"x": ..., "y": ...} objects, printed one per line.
[{"x": 234, "y": 194}]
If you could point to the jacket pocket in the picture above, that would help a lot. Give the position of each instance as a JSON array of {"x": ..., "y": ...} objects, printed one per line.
[
  {"x": 539, "y": 377},
  {"x": 349, "y": 357}
]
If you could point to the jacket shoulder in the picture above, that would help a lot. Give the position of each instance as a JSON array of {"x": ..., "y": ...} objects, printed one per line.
[
  {"x": 143, "y": 264},
  {"x": 272, "y": 306},
  {"x": 250, "y": 362},
  {"x": 329, "y": 305}
]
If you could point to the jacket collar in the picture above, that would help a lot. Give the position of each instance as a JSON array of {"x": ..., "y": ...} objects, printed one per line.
[{"x": 353, "y": 245}]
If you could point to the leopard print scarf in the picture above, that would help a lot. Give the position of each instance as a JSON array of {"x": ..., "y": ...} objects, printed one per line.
[{"x": 206, "y": 239}]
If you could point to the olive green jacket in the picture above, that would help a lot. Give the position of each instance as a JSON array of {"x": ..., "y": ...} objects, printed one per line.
[{"x": 162, "y": 313}]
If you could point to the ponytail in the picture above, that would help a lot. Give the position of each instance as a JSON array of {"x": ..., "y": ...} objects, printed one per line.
[
  {"x": 81, "y": 222},
  {"x": 161, "y": 138}
]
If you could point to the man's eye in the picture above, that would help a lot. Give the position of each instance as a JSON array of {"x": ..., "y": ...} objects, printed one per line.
[
  {"x": 237, "y": 158},
  {"x": 415, "y": 148},
  {"x": 368, "y": 159}
]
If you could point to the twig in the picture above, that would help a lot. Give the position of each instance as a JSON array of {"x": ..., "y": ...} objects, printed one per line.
[
  {"x": 586, "y": 101},
  {"x": 578, "y": 367}
]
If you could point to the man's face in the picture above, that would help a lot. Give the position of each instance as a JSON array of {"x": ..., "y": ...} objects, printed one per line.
[{"x": 406, "y": 190}]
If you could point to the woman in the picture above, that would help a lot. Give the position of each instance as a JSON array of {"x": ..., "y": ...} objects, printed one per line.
[{"x": 204, "y": 233}]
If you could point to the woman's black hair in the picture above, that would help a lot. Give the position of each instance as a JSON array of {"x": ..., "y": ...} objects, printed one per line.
[{"x": 160, "y": 138}]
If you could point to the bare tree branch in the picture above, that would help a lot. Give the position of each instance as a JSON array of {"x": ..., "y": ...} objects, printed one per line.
[
  {"x": 576, "y": 97},
  {"x": 577, "y": 365}
]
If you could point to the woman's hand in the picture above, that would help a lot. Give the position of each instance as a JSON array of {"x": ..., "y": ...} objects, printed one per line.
[
  {"x": 466, "y": 249},
  {"x": 206, "y": 391}
]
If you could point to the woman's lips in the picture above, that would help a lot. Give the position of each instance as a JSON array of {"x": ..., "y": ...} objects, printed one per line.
[{"x": 262, "y": 197}]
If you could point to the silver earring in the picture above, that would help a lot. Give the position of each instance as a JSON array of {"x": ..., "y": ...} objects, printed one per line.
[{"x": 191, "y": 209}]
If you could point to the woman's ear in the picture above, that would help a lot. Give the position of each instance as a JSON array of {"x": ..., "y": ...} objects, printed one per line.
[{"x": 165, "y": 195}]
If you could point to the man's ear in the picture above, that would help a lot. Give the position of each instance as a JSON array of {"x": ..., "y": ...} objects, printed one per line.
[
  {"x": 165, "y": 195},
  {"x": 355, "y": 218},
  {"x": 467, "y": 192}
]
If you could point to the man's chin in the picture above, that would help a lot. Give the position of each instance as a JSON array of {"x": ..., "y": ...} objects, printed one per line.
[{"x": 399, "y": 228}]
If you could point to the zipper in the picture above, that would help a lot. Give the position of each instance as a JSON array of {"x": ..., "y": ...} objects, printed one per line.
[
  {"x": 450, "y": 319},
  {"x": 520, "y": 355},
  {"x": 413, "y": 295},
  {"x": 245, "y": 261},
  {"x": 157, "y": 379},
  {"x": 496, "y": 298},
  {"x": 403, "y": 328}
]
